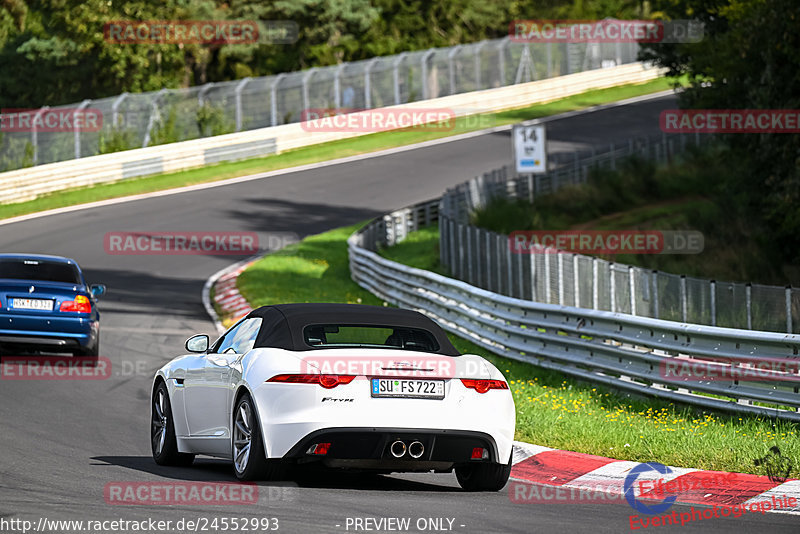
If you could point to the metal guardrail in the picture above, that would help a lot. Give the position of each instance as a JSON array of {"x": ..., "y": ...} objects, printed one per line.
[
  {"x": 617, "y": 350},
  {"x": 253, "y": 103},
  {"x": 485, "y": 259}
]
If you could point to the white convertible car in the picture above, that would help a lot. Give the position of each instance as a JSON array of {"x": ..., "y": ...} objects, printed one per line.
[{"x": 350, "y": 386}]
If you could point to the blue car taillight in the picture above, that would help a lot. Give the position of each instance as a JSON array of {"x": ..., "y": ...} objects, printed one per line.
[{"x": 81, "y": 304}]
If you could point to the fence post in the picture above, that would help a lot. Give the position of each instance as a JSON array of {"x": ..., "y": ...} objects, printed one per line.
[
  {"x": 595, "y": 288},
  {"x": 238, "y": 103},
  {"x": 115, "y": 109},
  {"x": 632, "y": 284},
  {"x": 452, "y": 247},
  {"x": 560, "y": 278},
  {"x": 425, "y": 90},
  {"x": 470, "y": 255},
  {"x": 488, "y": 256},
  {"x": 656, "y": 310},
  {"x": 460, "y": 238},
  {"x": 477, "y": 235},
  {"x": 547, "y": 290},
  {"x": 549, "y": 59},
  {"x": 274, "y": 100},
  {"x": 533, "y": 274},
  {"x": 510, "y": 267},
  {"x": 368, "y": 83},
  {"x": 520, "y": 274},
  {"x": 501, "y": 56},
  {"x": 713, "y": 288},
  {"x": 477, "y": 53},
  {"x": 77, "y": 129},
  {"x": 788, "y": 309},
  {"x": 499, "y": 269},
  {"x": 396, "y": 76},
  {"x": 612, "y": 288},
  {"x": 576, "y": 286},
  {"x": 748, "y": 299},
  {"x": 684, "y": 304},
  {"x": 306, "y": 79}
]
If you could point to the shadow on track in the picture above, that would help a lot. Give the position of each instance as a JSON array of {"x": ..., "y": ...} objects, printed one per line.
[{"x": 212, "y": 470}]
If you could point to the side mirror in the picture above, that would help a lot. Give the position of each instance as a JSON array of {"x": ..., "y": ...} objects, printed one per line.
[
  {"x": 98, "y": 290},
  {"x": 198, "y": 343}
]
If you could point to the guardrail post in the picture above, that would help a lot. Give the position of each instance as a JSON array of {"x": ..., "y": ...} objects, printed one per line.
[
  {"x": 748, "y": 292},
  {"x": 612, "y": 287},
  {"x": 656, "y": 309},
  {"x": 595, "y": 288},
  {"x": 684, "y": 303},
  {"x": 632, "y": 284},
  {"x": 788, "y": 309},
  {"x": 238, "y": 103},
  {"x": 712, "y": 286}
]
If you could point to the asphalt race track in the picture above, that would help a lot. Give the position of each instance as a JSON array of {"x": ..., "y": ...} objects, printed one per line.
[{"x": 61, "y": 442}]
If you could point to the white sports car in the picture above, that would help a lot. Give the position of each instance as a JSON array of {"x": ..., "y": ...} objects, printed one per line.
[{"x": 350, "y": 386}]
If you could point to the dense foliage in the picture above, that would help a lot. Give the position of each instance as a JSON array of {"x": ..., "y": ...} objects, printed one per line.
[
  {"x": 749, "y": 59},
  {"x": 54, "y": 51}
]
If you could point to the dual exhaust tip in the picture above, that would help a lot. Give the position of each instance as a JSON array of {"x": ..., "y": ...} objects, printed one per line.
[{"x": 399, "y": 449}]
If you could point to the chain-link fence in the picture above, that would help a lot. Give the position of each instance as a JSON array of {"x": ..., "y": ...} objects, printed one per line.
[
  {"x": 137, "y": 120},
  {"x": 487, "y": 259}
]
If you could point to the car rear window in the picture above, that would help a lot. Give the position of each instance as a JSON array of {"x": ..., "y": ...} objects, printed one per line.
[
  {"x": 323, "y": 336},
  {"x": 48, "y": 271}
]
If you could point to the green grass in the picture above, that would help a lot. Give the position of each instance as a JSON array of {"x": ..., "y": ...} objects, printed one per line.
[
  {"x": 323, "y": 152},
  {"x": 552, "y": 409}
]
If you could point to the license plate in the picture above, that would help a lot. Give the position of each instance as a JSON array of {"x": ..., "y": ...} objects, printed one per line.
[
  {"x": 32, "y": 304},
  {"x": 399, "y": 387}
]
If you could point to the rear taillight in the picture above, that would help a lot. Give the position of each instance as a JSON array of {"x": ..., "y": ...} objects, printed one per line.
[
  {"x": 81, "y": 304},
  {"x": 479, "y": 453},
  {"x": 326, "y": 381},
  {"x": 320, "y": 449},
  {"x": 482, "y": 386}
]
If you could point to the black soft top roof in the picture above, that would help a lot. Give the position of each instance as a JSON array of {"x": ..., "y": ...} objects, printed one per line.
[{"x": 282, "y": 324}]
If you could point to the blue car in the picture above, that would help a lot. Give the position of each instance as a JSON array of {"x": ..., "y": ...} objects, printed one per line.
[{"x": 47, "y": 306}]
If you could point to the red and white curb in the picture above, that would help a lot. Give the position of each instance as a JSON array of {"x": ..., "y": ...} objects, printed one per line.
[
  {"x": 553, "y": 468},
  {"x": 226, "y": 294},
  {"x": 542, "y": 466}
]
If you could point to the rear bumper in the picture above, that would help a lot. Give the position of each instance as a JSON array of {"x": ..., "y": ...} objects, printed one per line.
[
  {"x": 65, "y": 334},
  {"x": 440, "y": 446}
]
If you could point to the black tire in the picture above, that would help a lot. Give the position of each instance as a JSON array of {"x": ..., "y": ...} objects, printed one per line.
[
  {"x": 91, "y": 355},
  {"x": 483, "y": 476},
  {"x": 251, "y": 464},
  {"x": 163, "y": 444}
]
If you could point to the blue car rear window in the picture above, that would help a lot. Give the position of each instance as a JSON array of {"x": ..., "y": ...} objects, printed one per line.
[{"x": 39, "y": 270}]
